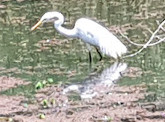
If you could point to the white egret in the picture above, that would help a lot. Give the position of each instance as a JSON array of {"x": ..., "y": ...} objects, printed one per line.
[{"x": 89, "y": 31}]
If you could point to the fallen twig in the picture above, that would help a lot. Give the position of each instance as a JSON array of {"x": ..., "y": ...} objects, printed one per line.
[{"x": 154, "y": 34}]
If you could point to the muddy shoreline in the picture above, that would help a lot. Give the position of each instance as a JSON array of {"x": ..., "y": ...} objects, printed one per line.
[{"x": 120, "y": 103}]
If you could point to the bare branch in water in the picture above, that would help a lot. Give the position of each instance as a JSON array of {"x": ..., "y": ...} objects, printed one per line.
[{"x": 153, "y": 36}]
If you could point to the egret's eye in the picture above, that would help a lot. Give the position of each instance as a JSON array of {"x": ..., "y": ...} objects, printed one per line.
[
  {"x": 51, "y": 19},
  {"x": 55, "y": 18}
]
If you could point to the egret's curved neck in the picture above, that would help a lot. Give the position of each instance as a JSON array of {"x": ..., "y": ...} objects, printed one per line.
[{"x": 66, "y": 32}]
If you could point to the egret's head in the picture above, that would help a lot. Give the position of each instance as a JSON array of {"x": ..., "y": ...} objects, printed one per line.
[{"x": 55, "y": 17}]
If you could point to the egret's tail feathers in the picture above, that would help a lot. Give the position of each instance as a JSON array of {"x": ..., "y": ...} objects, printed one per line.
[{"x": 113, "y": 48}]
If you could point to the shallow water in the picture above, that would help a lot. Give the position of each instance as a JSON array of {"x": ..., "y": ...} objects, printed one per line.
[{"x": 27, "y": 55}]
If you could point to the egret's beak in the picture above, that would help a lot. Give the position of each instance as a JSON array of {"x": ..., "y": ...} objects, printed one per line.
[{"x": 36, "y": 25}]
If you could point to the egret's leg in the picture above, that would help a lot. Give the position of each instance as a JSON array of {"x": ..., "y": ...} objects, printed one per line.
[
  {"x": 90, "y": 57},
  {"x": 89, "y": 49},
  {"x": 99, "y": 53}
]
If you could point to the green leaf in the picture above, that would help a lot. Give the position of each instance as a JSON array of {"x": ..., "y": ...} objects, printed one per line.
[
  {"x": 42, "y": 116},
  {"x": 50, "y": 80},
  {"x": 39, "y": 85}
]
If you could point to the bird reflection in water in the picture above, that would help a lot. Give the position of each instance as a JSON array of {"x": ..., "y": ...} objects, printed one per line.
[{"x": 96, "y": 84}]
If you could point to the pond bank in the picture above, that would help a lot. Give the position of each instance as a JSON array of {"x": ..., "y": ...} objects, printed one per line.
[{"x": 120, "y": 103}]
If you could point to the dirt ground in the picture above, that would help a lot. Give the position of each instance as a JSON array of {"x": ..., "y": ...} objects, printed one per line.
[{"x": 118, "y": 104}]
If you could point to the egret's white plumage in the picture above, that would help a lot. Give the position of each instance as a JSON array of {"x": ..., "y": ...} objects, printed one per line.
[{"x": 89, "y": 31}]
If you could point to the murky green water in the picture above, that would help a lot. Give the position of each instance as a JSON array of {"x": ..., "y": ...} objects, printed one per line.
[{"x": 26, "y": 54}]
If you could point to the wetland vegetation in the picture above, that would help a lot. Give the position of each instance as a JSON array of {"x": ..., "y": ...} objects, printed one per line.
[{"x": 52, "y": 81}]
